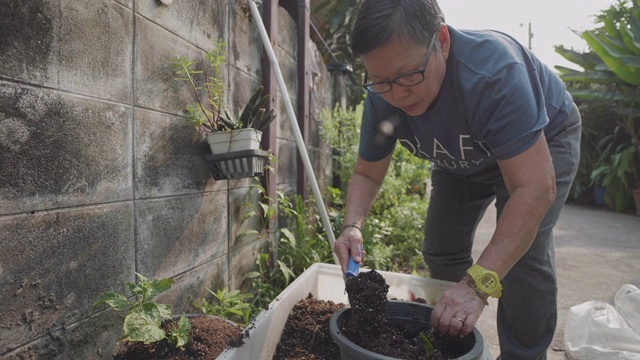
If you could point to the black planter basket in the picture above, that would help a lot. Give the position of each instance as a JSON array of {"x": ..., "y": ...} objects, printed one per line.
[{"x": 237, "y": 164}]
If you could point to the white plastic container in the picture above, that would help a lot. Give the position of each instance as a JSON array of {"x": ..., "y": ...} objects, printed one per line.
[{"x": 324, "y": 282}]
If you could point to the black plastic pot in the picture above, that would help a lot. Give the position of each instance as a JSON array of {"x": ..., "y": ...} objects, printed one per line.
[{"x": 398, "y": 311}]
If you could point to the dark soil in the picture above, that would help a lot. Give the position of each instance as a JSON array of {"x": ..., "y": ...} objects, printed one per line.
[
  {"x": 306, "y": 333},
  {"x": 368, "y": 327},
  {"x": 208, "y": 338}
]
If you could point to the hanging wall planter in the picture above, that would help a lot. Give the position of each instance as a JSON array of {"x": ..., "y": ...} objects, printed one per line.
[
  {"x": 237, "y": 164},
  {"x": 236, "y": 154},
  {"x": 224, "y": 142},
  {"x": 234, "y": 140}
]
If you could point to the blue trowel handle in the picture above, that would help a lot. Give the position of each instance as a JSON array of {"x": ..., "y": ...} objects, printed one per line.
[{"x": 353, "y": 268}]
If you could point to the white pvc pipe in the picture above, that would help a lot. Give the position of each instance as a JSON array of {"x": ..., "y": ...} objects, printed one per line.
[{"x": 294, "y": 126}]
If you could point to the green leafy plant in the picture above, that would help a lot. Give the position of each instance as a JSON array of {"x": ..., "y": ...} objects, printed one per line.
[
  {"x": 428, "y": 339},
  {"x": 230, "y": 305},
  {"x": 615, "y": 174},
  {"x": 393, "y": 232},
  {"x": 302, "y": 242},
  {"x": 611, "y": 75},
  {"x": 143, "y": 321},
  {"x": 254, "y": 114},
  {"x": 206, "y": 113},
  {"x": 335, "y": 19}
]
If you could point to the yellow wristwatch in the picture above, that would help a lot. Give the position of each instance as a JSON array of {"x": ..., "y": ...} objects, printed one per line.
[{"x": 485, "y": 280}]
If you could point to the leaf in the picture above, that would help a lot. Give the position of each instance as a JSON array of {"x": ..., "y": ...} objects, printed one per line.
[
  {"x": 589, "y": 76},
  {"x": 629, "y": 39},
  {"x": 627, "y": 70},
  {"x": 610, "y": 28},
  {"x": 156, "y": 311},
  {"x": 585, "y": 60},
  {"x": 250, "y": 108},
  {"x": 116, "y": 301},
  {"x": 181, "y": 333},
  {"x": 247, "y": 233},
  {"x": 615, "y": 44},
  {"x": 288, "y": 236},
  {"x": 159, "y": 286},
  {"x": 141, "y": 327},
  {"x": 253, "y": 275},
  {"x": 286, "y": 271}
]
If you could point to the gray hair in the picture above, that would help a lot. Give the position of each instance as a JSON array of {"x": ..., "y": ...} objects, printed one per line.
[{"x": 379, "y": 21}]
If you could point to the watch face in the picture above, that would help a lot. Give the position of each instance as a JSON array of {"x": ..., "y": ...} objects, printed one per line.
[{"x": 488, "y": 282}]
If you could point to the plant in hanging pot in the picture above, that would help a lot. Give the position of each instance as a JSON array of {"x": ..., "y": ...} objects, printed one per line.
[
  {"x": 152, "y": 332},
  {"x": 234, "y": 141},
  {"x": 207, "y": 112}
]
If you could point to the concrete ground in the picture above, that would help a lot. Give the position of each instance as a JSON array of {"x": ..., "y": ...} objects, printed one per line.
[{"x": 597, "y": 251}]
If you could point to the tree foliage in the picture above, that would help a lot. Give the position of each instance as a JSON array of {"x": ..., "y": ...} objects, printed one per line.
[{"x": 610, "y": 79}]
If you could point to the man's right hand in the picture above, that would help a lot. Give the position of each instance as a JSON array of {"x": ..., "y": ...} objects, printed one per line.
[{"x": 349, "y": 242}]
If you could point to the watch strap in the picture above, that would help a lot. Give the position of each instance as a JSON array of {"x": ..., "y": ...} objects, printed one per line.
[{"x": 486, "y": 281}]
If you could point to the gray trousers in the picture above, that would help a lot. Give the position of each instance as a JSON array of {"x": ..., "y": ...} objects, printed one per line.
[{"x": 527, "y": 310}]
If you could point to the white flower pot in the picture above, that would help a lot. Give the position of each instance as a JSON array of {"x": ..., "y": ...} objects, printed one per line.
[{"x": 222, "y": 142}]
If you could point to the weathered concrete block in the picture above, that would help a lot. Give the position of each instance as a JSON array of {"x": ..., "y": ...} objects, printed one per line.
[
  {"x": 285, "y": 129},
  {"x": 242, "y": 261},
  {"x": 170, "y": 157},
  {"x": 127, "y": 3},
  {"x": 95, "y": 49},
  {"x": 199, "y": 22},
  {"x": 29, "y": 41},
  {"x": 289, "y": 70},
  {"x": 241, "y": 203},
  {"x": 179, "y": 233},
  {"x": 287, "y": 33},
  {"x": 60, "y": 150},
  {"x": 58, "y": 44},
  {"x": 191, "y": 287},
  {"x": 287, "y": 161},
  {"x": 245, "y": 46},
  {"x": 55, "y": 265},
  {"x": 93, "y": 338},
  {"x": 156, "y": 86}
]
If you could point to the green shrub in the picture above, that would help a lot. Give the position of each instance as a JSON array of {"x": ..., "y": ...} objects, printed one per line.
[{"x": 393, "y": 232}]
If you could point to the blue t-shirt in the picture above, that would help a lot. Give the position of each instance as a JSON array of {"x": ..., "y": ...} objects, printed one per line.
[{"x": 496, "y": 100}]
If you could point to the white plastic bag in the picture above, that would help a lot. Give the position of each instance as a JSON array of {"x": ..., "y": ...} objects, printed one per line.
[
  {"x": 595, "y": 330},
  {"x": 627, "y": 302}
]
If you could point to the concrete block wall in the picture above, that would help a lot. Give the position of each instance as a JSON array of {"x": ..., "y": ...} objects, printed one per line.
[{"x": 99, "y": 176}]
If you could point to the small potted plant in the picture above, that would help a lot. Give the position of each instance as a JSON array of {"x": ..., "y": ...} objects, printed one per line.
[
  {"x": 234, "y": 140},
  {"x": 152, "y": 332}
]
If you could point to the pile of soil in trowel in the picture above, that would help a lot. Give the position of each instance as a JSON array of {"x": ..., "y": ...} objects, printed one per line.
[{"x": 368, "y": 327}]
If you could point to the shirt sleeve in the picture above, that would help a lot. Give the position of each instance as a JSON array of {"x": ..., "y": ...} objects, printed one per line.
[{"x": 510, "y": 111}]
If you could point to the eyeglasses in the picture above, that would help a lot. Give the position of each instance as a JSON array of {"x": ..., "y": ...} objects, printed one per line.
[{"x": 406, "y": 80}]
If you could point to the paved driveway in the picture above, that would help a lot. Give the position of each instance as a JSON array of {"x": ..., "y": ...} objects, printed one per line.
[{"x": 597, "y": 251}]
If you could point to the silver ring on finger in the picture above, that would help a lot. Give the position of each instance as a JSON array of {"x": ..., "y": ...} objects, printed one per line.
[{"x": 457, "y": 318}]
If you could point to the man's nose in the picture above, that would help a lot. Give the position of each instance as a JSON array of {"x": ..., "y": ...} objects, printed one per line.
[{"x": 399, "y": 92}]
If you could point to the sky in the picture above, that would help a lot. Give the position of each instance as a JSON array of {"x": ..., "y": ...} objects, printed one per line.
[{"x": 551, "y": 21}]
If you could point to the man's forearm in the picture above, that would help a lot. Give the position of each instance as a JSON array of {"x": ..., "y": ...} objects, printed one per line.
[{"x": 361, "y": 194}]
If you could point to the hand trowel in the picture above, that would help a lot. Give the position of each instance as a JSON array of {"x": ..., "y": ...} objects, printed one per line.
[{"x": 353, "y": 268}]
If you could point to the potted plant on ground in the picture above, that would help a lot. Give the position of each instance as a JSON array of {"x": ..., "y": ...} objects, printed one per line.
[
  {"x": 375, "y": 328},
  {"x": 151, "y": 331},
  {"x": 234, "y": 140}
]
